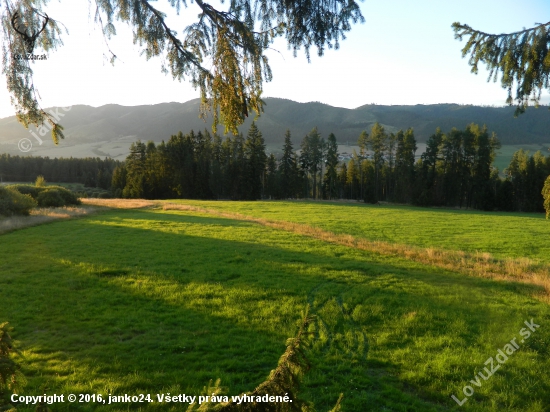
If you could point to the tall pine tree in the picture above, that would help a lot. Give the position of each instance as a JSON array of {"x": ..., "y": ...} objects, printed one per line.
[{"x": 256, "y": 159}]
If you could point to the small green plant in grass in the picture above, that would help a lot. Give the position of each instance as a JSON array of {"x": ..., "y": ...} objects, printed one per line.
[
  {"x": 40, "y": 181},
  {"x": 11, "y": 378}
]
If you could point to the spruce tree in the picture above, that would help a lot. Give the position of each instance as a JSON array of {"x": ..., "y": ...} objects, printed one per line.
[
  {"x": 342, "y": 181},
  {"x": 484, "y": 196},
  {"x": 404, "y": 165},
  {"x": 311, "y": 157},
  {"x": 390, "y": 156},
  {"x": 271, "y": 184},
  {"x": 429, "y": 187},
  {"x": 377, "y": 144},
  {"x": 237, "y": 169},
  {"x": 135, "y": 172},
  {"x": 331, "y": 175},
  {"x": 451, "y": 150},
  {"x": 118, "y": 181},
  {"x": 217, "y": 161},
  {"x": 180, "y": 155},
  {"x": 516, "y": 173},
  {"x": 306, "y": 163},
  {"x": 256, "y": 159},
  {"x": 352, "y": 177},
  {"x": 287, "y": 169},
  {"x": 202, "y": 158},
  {"x": 226, "y": 164}
]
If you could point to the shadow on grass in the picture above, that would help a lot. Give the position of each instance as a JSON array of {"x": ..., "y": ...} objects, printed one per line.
[{"x": 134, "y": 309}]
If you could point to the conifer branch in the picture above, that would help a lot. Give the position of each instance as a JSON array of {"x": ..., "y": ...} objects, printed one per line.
[
  {"x": 231, "y": 89},
  {"x": 282, "y": 381},
  {"x": 522, "y": 58},
  {"x": 11, "y": 378}
]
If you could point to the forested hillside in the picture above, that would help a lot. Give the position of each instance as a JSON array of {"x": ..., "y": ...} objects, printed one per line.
[{"x": 108, "y": 130}]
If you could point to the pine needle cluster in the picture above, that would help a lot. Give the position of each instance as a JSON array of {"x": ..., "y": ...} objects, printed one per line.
[
  {"x": 11, "y": 378},
  {"x": 284, "y": 380},
  {"x": 523, "y": 59},
  {"x": 222, "y": 53}
]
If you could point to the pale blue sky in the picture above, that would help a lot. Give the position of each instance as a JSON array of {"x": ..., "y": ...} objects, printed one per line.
[{"x": 405, "y": 53}]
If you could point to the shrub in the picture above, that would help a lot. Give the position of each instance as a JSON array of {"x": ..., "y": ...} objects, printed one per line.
[
  {"x": 50, "y": 198},
  {"x": 67, "y": 197},
  {"x": 13, "y": 202},
  {"x": 27, "y": 190}
]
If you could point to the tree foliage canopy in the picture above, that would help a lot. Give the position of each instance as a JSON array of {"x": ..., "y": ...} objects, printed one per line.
[
  {"x": 546, "y": 196},
  {"x": 222, "y": 53},
  {"x": 522, "y": 58}
]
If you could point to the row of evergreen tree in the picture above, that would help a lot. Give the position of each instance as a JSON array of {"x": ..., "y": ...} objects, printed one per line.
[
  {"x": 90, "y": 171},
  {"x": 455, "y": 171}
]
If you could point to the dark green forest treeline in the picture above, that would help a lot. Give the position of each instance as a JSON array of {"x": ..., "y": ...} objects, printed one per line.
[
  {"x": 455, "y": 171},
  {"x": 92, "y": 172}
]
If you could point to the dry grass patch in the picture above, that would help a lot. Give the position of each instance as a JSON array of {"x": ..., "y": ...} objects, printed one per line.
[
  {"x": 46, "y": 215},
  {"x": 43, "y": 215},
  {"x": 119, "y": 203}
]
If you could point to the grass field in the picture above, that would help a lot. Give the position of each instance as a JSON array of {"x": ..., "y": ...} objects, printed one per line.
[
  {"x": 156, "y": 301},
  {"x": 515, "y": 235}
]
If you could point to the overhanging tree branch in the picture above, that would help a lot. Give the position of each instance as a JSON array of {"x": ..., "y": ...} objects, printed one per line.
[
  {"x": 522, "y": 58},
  {"x": 225, "y": 39}
]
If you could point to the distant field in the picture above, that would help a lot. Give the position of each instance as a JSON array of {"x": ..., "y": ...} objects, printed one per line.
[
  {"x": 506, "y": 152},
  {"x": 157, "y": 301},
  {"x": 513, "y": 235}
]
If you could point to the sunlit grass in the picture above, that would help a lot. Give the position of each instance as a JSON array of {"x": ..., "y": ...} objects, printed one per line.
[
  {"x": 481, "y": 264},
  {"x": 134, "y": 301},
  {"x": 511, "y": 235},
  {"x": 39, "y": 216}
]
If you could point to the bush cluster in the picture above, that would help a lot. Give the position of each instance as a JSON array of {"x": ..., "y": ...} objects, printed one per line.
[
  {"x": 48, "y": 196},
  {"x": 13, "y": 202},
  {"x": 95, "y": 192}
]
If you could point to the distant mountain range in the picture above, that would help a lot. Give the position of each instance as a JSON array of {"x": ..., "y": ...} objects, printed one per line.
[{"x": 108, "y": 130}]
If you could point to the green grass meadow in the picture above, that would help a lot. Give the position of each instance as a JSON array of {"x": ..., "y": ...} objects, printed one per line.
[
  {"x": 504, "y": 235},
  {"x": 163, "y": 301}
]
